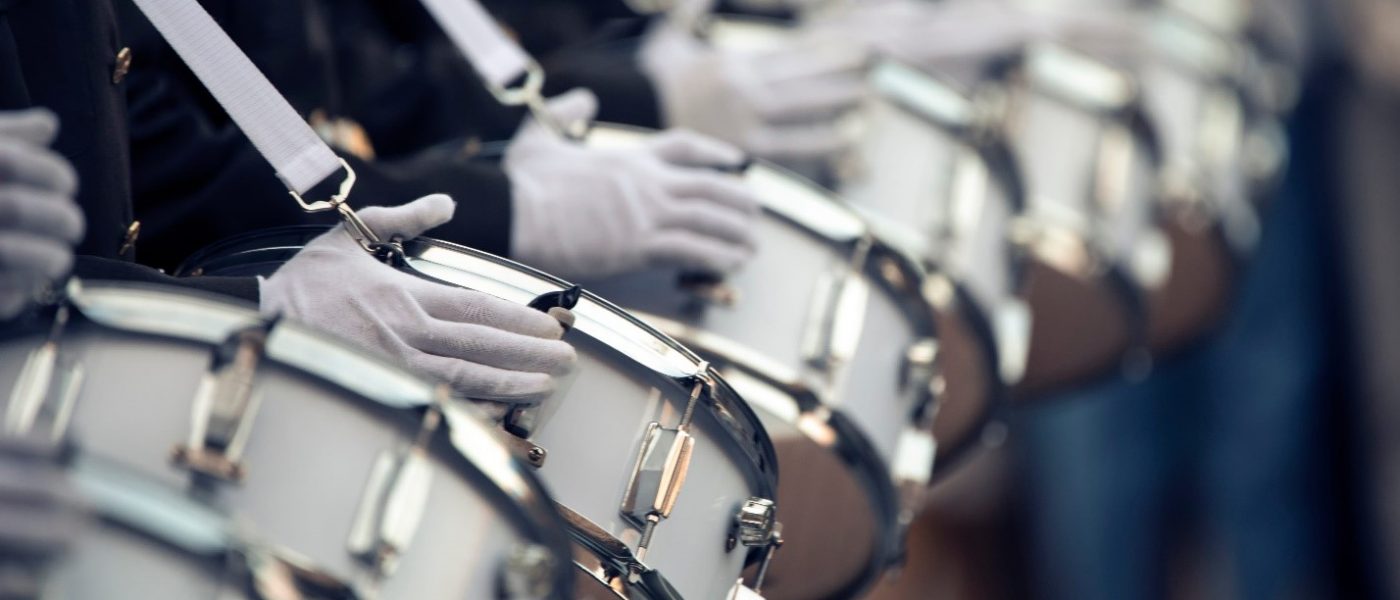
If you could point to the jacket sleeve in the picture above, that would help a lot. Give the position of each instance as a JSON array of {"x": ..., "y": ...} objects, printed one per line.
[
  {"x": 94, "y": 268},
  {"x": 197, "y": 179}
]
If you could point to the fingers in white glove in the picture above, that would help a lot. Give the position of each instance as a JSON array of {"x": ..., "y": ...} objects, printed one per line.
[
  {"x": 569, "y": 110},
  {"x": 41, "y": 212},
  {"x": 40, "y": 255},
  {"x": 484, "y": 382},
  {"x": 409, "y": 220},
  {"x": 36, "y": 126},
  {"x": 573, "y": 106},
  {"x": 686, "y": 249},
  {"x": 805, "y": 141},
  {"x": 464, "y": 306},
  {"x": 699, "y": 185},
  {"x": 705, "y": 218},
  {"x": 485, "y": 345},
  {"x": 27, "y": 164},
  {"x": 687, "y": 148}
]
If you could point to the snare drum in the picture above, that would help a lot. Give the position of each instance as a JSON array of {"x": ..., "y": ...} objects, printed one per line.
[
  {"x": 929, "y": 172},
  {"x": 828, "y": 322},
  {"x": 159, "y": 542},
  {"x": 665, "y": 476},
  {"x": 389, "y": 487},
  {"x": 1091, "y": 175}
]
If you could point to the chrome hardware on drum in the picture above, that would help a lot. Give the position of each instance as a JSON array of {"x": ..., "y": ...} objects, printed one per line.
[
  {"x": 658, "y": 466},
  {"x": 385, "y": 483},
  {"x": 929, "y": 175},
  {"x": 157, "y": 541},
  {"x": 827, "y": 331},
  {"x": 1089, "y": 159},
  {"x": 1090, "y": 164}
]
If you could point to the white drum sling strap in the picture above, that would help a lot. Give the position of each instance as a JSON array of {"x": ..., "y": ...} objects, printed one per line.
[{"x": 285, "y": 140}]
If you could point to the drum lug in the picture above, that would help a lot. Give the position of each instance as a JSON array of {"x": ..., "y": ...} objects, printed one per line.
[
  {"x": 45, "y": 382},
  {"x": 663, "y": 461},
  {"x": 394, "y": 501},
  {"x": 526, "y": 573},
  {"x": 753, "y": 523},
  {"x": 657, "y": 478},
  {"x": 772, "y": 542},
  {"x": 225, "y": 406},
  {"x": 834, "y": 319}
]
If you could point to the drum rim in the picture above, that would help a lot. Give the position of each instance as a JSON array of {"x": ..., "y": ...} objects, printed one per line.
[
  {"x": 525, "y": 501},
  {"x": 727, "y": 407},
  {"x": 853, "y": 450}
]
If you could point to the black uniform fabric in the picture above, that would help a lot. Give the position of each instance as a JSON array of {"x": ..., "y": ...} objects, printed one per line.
[
  {"x": 62, "y": 55},
  {"x": 385, "y": 44},
  {"x": 197, "y": 179}
]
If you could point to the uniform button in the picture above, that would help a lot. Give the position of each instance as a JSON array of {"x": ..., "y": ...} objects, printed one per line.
[
  {"x": 123, "y": 65},
  {"x": 133, "y": 232}
]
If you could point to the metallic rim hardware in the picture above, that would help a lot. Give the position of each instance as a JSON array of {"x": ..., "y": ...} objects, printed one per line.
[
  {"x": 708, "y": 289},
  {"x": 837, "y": 312},
  {"x": 526, "y": 573},
  {"x": 659, "y": 473},
  {"x": 524, "y": 449},
  {"x": 395, "y": 500},
  {"x": 172, "y": 517},
  {"x": 520, "y": 422},
  {"x": 225, "y": 406},
  {"x": 753, "y": 524},
  {"x": 47, "y": 387},
  {"x": 774, "y": 542}
]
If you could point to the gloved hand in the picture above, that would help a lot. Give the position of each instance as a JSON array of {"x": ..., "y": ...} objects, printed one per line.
[
  {"x": 928, "y": 34},
  {"x": 39, "y": 221},
  {"x": 782, "y": 102},
  {"x": 40, "y": 514},
  {"x": 485, "y": 347},
  {"x": 582, "y": 212},
  {"x": 938, "y": 35}
]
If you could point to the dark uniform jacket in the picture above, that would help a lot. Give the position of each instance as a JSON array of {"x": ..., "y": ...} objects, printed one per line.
[
  {"x": 197, "y": 179},
  {"x": 63, "y": 55}
]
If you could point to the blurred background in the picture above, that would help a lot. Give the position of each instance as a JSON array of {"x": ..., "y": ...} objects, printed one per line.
[{"x": 1262, "y": 462}]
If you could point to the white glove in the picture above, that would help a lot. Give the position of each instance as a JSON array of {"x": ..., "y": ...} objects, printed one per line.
[
  {"x": 41, "y": 514},
  {"x": 39, "y": 221},
  {"x": 582, "y": 212},
  {"x": 485, "y": 347},
  {"x": 782, "y": 102},
  {"x": 932, "y": 34}
]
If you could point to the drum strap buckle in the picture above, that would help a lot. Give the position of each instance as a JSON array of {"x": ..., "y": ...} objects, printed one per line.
[
  {"x": 225, "y": 405},
  {"x": 394, "y": 501},
  {"x": 663, "y": 461}
]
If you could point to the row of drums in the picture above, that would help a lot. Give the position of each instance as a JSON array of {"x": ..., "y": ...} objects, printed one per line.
[{"x": 991, "y": 242}]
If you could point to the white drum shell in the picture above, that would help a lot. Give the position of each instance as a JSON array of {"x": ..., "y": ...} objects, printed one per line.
[{"x": 308, "y": 457}]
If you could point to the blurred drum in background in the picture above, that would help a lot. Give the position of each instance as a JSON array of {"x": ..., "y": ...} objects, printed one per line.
[
  {"x": 1090, "y": 168},
  {"x": 665, "y": 476},
  {"x": 364, "y": 478},
  {"x": 929, "y": 172},
  {"x": 829, "y": 332}
]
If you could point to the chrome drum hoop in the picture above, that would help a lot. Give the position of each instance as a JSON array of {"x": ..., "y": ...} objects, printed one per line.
[
  {"x": 260, "y": 253},
  {"x": 461, "y": 443},
  {"x": 1109, "y": 96},
  {"x": 897, "y": 270},
  {"x": 663, "y": 361}
]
